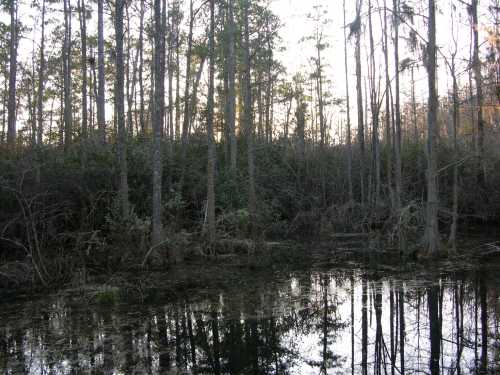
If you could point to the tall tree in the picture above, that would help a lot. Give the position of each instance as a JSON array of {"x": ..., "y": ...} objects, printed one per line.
[
  {"x": 348, "y": 112},
  {"x": 140, "y": 48},
  {"x": 41, "y": 80},
  {"x": 67, "y": 66},
  {"x": 248, "y": 119},
  {"x": 432, "y": 231},
  {"x": 456, "y": 122},
  {"x": 388, "y": 107},
  {"x": 82, "y": 14},
  {"x": 158, "y": 117},
  {"x": 374, "y": 108},
  {"x": 231, "y": 94},
  {"x": 476, "y": 63},
  {"x": 187, "y": 98},
  {"x": 120, "y": 109},
  {"x": 101, "y": 114},
  {"x": 210, "y": 129},
  {"x": 397, "y": 110},
  {"x": 11, "y": 117},
  {"x": 356, "y": 29}
]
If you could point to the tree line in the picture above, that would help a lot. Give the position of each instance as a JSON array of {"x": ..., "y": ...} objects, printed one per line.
[{"x": 181, "y": 75}]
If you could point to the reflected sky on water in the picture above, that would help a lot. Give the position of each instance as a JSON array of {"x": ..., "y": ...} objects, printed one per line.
[{"x": 339, "y": 321}]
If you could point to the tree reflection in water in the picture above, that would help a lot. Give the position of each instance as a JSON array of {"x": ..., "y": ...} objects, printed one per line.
[{"x": 340, "y": 321}]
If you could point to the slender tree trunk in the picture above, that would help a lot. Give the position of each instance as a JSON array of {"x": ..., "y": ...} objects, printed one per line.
[
  {"x": 158, "y": 116},
  {"x": 177, "y": 72},
  {"x": 374, "y": 107},
  {"x": 120, "y": 109},
  {"x": 5, "y": 106},
  {"x": 170, "y": 83},
  {"x": 67, "y": 65},
  {"x": 260, "y": 130},
  {"x": 11, "y": 116},
  {"x": 60, "y": 139},
  {"x": 101, "y": 114},
  {"x": 187, "y": 108},
  {"x": 322, "y": 126},
  {"x": 300, "y": 131},
  {"x": 348, "y": 110},
  {"x": 41, "y": 79},
  {"x": 397, "y": 109},
  {"x": 210, "y": 130},
  {"x": 248, "y": 117},
  {"x": 83, "y": 32},
  {"x": 388, "y": 108},
  {"x": 141, "y": 66},
  {"x": 432, "y": 231},
  {"x": 414, "y": 107},
  {"x": 33, "y": 105},
  {"x": 359, "y": 92},
  {"x": 479, "y": 94},
  {"x": 132, "y": 95},
  {"x": 194, "y": 95},
  {"x": 456, "y": 123},
  {"x": 231, "y": 95},
  {"x": 269, "y": 84},
  {"x": 31, "y": 118}
]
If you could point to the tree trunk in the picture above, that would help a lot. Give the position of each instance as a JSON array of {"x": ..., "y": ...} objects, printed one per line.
[
  {"x": 4, "y": 106},
  {"x": 120, "y": 109},
  {"x": 177, "y": 72},
  {"x": 68, "y": 115},
  {"x": 319, "y": 68},
  {"x": 194, "y": 95},
  {"x": 210, "y": 131},
  {"x": 101, "y": 114},
  {"x": 456, "y": 123},
  {"x": 397, "y": 109},
  {"x": 11, "y": 117},
  {"x": 269, "y": 84},
  {"x": 170, "y": 79},
  {"x": 359, "y": 92},
  {"x": 140, "y": 48},
  {"x": 231, "y": 94},
  {"x": 348, "y": 111},
  {"x": 158, "y": 117},
  {"x": 479, "y": 94},
  {"x": 83, "y": 32},
  {"x": 300, "y": 131},
  {"x": 414, "y": 107},
  {"x": 374, "y": 107},
  {"x": 248, "y": 117},
  {"x": 41, "y": 79},
  {"x": 432, "y": 231},
  {"x": 187, "y": 108},
  {"x": 388, "y": 108}
]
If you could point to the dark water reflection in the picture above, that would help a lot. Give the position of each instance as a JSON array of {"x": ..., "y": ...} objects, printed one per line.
[{"x": 321, "y": 322}]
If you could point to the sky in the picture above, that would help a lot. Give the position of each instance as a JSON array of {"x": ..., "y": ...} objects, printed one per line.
[{"x": 296, "y": 25}]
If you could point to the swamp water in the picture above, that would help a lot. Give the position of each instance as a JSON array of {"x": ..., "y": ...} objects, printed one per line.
[{"x": 314, "y": 321}]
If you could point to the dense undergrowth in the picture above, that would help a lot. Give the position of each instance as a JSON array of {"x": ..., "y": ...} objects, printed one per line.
[{"x": 59, "y": 217}]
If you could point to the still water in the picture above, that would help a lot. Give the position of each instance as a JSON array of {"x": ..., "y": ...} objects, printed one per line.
[{"x": 333, "y": 321}]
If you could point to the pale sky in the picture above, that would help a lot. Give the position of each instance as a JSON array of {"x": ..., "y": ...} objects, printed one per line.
[{"x": 296, "y": 25}]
